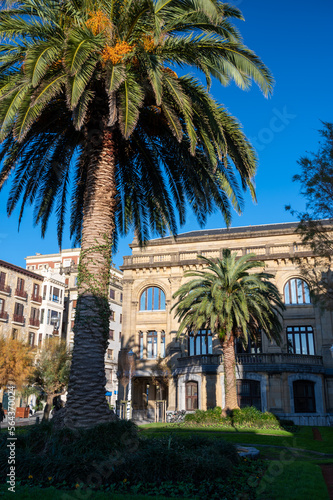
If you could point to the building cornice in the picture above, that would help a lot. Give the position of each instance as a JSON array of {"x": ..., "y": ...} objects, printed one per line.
[{"x": 21, "y": 270}]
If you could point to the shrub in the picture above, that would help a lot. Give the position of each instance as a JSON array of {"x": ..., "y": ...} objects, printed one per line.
[
  {"x": 113, "y": 452},
  {"x": 245, "y": 417}
]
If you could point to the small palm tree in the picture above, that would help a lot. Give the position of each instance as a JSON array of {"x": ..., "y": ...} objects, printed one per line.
[
  {"x": 233, "y": 302},
  {"x": 90, "y": 103}
]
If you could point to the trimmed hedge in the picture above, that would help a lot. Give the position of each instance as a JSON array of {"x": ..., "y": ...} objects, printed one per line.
[{"x": 248, "y": 417}]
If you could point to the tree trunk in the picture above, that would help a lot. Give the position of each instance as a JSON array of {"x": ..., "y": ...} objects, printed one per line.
[
  {"x": 229, "y": 359},
  {"x": 86, "y": 403}
]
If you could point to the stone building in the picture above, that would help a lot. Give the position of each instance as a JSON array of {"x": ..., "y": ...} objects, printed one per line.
[
  {"x": 293, "y": 380},
  {"x": 64, "y": 266},
  {"x": 20, "y": 303}
]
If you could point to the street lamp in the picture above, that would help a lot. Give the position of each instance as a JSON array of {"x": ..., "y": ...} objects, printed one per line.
[{"x": 130, "y": 355}]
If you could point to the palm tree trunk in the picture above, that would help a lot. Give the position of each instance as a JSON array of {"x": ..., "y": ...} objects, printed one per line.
[
  {"x": 230, "y": 374},
  {"x": 86, "y": 403}
]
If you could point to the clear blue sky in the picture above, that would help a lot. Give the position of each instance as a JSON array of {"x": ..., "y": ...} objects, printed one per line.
[{"x": 294, "y": 39}]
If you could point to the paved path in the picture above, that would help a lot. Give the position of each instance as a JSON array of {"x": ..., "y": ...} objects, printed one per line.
[{"x": 19, "y": 422}]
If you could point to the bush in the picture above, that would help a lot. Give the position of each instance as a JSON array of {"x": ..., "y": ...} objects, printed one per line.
[
  {"x": 114, "y": 452},
  {"x": 245, "y": 417}
]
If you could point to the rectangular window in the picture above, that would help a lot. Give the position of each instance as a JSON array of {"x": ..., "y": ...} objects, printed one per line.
[
  {"x": 201, "y": 343},
  {"x": 34, "y": 314},
  {"x": 300, "y": 340},
  {"x": 110, "y": 353},
  {"x": 121, "y": 318},
  {"x": 74, "y": 304},
  {"x": 121, "y": 297},
  {"x": 18, "y": 309},
  {"x": 55, "y": 317},
  {"x": 2, "y": 277},
  {"x": 42, "y": 316},
  {"x": 119, "y": 336},
  {"x": 31, "y": 339},
  {"x": 40, "y": 340},
  {"x": 162, "y": 353},
  {"x": 2, "y": 305},
  {"x": 44, "y": 292},
  {"x": 56, "y": 294},
  {"x": 112, "y": 315},
  {"x": 72, "y": 325},
  {"x": 141, "y": 344},
  {"x": 112, "y": 294},
  {"x": 111, "y": 334},
  {"x": 152, "y": 345},
  {"x": 20, "y": 284},
  {"x": 35, "y": 290}
]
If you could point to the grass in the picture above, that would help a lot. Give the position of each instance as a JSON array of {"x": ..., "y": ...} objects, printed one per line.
[
  {"x": 294, "y": 481},
  {"x": 293, "y": 466},
  {"x": 302, "y": 439}
]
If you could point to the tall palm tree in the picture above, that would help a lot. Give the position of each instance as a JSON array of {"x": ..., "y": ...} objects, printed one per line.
[
  {"x": 234, "y": 302},
  {"x": 90, "y": 102}
]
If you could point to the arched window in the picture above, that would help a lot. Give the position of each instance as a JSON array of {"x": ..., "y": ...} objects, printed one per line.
[
  {"x": 152, "y": 299},
  {"x": 296, "y": 291},
  {"x": 248, "y": 393},
  {"x": 191, "y": 396},
  {"x": 304, "y": 396}
]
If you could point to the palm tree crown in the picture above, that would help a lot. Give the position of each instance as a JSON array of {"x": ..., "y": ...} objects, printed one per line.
[
  {"x": 233, "y": 301},
  {"x": 71, "y": 69},
  {"x": 228, "y": 298}
]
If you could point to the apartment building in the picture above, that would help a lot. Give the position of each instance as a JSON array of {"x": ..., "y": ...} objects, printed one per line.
[
  {"x": 293, "y": 380},
  {"x": 64, "y": 266},
  {"x": 20, "y": 303}
]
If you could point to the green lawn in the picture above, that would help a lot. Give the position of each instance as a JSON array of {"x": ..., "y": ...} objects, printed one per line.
[
  {"x": 273, "y": 437},
  {"x": 293, "y": 463},
  {"x": 294, "y": 481}
]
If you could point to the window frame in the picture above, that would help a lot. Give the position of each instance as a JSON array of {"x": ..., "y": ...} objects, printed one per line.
[
  {"x": 307, "y": 331},
  {"x": 192, "y": 398},
  {"x": 251, "y": 399},
  {"x": 198, "y": 342},
  {"x": 299, "y": 400},
  {"x": 144, "y": 299},
  {"x": 294, "y": 292}
]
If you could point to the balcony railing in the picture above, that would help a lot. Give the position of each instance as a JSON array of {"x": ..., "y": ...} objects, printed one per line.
[
  {"x": 34, "y": 322},
  {"x": 21, "y": 293},
  {"x": 4, "y": 315},
  {"x": 252, "y": 359},
  {"x": 18, "y": 318},
  {"x": 279, "y": 358},
  {"x": 36, "y": 298},
  {"x": 4, "y": 288}
]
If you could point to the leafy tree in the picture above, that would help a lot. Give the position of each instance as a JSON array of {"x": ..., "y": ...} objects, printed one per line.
[
  {"x": 233, "y": 301},
  {"x": 51, "y": 373},
  {"x": 16, "y": 362},
  {"x": 315, "y": 226},
  {"x": 90, "y": 99}
]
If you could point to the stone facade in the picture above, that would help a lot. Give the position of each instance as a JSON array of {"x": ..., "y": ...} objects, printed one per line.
[
  {"x": 20, "y": 303},
  {"x": 293, "y": 380}
]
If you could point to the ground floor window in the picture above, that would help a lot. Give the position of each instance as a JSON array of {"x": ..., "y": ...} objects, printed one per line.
[
  {"x": 200, "y": 343},
  {"x": 191, "y": 396},
  {"x": 304, "y": 396},
  {"x": 300, "y": 340},
  {"x": 248, "y": 393}
]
